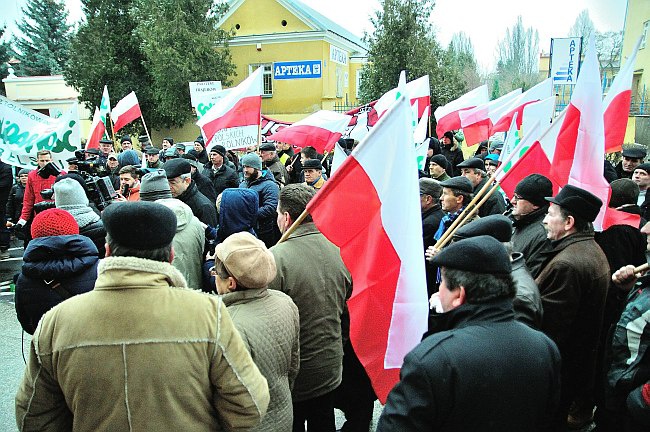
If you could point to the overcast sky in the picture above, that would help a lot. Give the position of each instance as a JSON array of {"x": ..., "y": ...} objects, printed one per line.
[{"x": 484, "y": 21}]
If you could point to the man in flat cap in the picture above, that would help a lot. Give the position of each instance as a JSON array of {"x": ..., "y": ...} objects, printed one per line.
[
  {"x": 272, "y": 162},
  {"x": 312, "y": 169},
  {"x": 438, "y": 168},
  {"x": 153, "y": 158},
  {"x": 218, "y": 172},
  {"x": 527, "y": 302},
  {"x": 633, "y": 156},
  {"x": 467, "y": 374},
  {"x": 139, "y": 352},
  {"x": 529, "y": 207},
  {"x": 573, "y": 284},
  {"x": 474, "y": 170},
  {"x": 179, "y": 176}
]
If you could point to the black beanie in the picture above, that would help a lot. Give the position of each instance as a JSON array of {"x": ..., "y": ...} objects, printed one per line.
[{"x": 535, "y": 188}]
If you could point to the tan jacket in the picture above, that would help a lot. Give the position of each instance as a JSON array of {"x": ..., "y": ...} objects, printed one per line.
[{"x": 138, "y": 354}]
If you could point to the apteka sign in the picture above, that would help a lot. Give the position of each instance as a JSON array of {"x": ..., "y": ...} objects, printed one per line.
[{"x": 297, "y": 69}]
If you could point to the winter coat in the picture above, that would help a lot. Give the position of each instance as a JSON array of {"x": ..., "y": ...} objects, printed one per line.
[
  {"x": 205, "y": 186},
  {"x": 6, "y": 182},
  {"x": 527, "y": 302},
  {"x": 238, "y": 212},
  {"x": 200, "y": 157},
  {"x": 268, "y": 192},
  {"x": 222, "y": 178},
  {"x": 96, "y": 232},
  {"x": 454, "y": 156},
  {"x": 15, "y": 202},
  {"x": 69, "y": 260},
  {"x": 268, "y": 323},
  {"x": 188, "y": 242},
  {"x": 467, "y": 376},
  {"x": 493, "y": 205},
  {"x": 139, "y": 352},
  {"x": 203, "y": 208},
  {"x": 630, "y": 359},
  {"x": 529, "y": 237},
  {"x": 573, "y": 284},
  {"x": 280, "y": 173},
  {"x": 312, "y": 273},
  {"x": 35, "y": 184},
  {"x": 430, "y": 222}
]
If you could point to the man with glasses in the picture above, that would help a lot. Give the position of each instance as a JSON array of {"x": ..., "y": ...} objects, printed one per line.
[{"x": 528, "y": 210}]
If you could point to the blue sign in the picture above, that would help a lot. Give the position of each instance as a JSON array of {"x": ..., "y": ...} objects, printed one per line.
[{"x": 297, "y": 69}]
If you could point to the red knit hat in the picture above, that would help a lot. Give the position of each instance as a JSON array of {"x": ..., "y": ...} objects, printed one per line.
[{"x": 54, "y": 222}]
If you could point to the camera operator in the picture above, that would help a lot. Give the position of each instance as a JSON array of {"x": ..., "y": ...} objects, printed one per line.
[
  {"x": 129, "y": 184},
  {"x": 37, "y": 180}
]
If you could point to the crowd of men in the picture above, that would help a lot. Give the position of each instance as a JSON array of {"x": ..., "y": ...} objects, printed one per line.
[{"x": 177, "y": 308}]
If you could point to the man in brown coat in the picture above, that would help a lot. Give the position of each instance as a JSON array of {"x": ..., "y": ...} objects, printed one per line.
[{"x": 573, "y": 285}]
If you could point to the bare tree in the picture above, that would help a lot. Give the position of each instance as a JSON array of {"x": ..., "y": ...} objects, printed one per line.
[
  {"x": 518, "y": 58},
  {"x": 582, "y": 27}
]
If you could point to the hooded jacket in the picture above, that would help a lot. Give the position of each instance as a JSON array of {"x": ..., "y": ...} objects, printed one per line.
[
  {"x": 268, "y": 193},
  {"x": 139, "y": 352},
  {"x": 238, "y": 212},
  {"x": 70, "y": 260},
  {"x": 188, "y": 242}
]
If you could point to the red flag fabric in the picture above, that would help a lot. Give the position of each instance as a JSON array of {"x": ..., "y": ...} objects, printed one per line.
[
  {"x": 536, "y": 93},
  {"x": 375, "y": 191},
  {"x": 320, "y": 130},
  {"x": 97, "y": 130},
  {"x": 477, "y": 122},
  {"x": 447, "y": 116},
  {"x": 126, "y": 110}
]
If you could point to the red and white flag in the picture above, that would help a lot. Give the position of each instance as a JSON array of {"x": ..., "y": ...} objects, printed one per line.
[
  {"x": 240, "y": 108},
  {"x": 477, "y": 122},
  {"x": 126, "y": 110},
  {"x": 97, "y": 130},
  {"x": 417, "y": 91},
  {"x": 447, "y": 116},
  {"x": 320, "y": 130},
  {"x": 616, "y": 106},
  {"x": 505, "y": 114},
  {"x": 376, "y": 192}
]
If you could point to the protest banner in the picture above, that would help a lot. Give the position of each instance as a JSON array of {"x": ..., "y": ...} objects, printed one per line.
[{"x": 23, "y": 132}]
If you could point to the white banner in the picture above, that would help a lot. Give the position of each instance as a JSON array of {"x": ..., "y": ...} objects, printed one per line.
[
  {"x": 236, "y": 138},
  {"x": 23, "y": 132},
  {"x": 565, "y": 60},
  {"x": 205, "y": 103}
]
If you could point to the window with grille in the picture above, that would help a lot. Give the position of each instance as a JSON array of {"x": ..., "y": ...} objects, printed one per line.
[
  {"x": 644, "y": 34},
  {"x": 268, "y": 77}
]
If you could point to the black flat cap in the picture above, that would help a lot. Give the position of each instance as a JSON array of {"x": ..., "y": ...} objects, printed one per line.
[
  {"x": 497, "y": 226},
  {"x": 535, "y": 188},
  {"x": 439, "y": 160},
  {"x": 635, "y": 152},
  {"x": 267, "y": 147},
  {"x": 578, "y": 201},
  {"x": 140, "y": 224},
  {"x": 93, "y": 151},
  {"x": 312, "y": 164},
  {"x": 459, "y": 183},
  {"x": 152, "y": 151},
  {"x": 644, "y": 166},
  {"x": 482, "y": 254},
  {"x": 472, "y": 163},
  {"x": 105, "y": 141},
  {"x": 175, "y": 167},
  {"x": 430, "y": 187}
]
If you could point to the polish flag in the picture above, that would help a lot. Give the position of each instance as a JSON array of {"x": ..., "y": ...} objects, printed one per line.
[
  {"x": 240, "y": 108},
  {"x": 616, "y": 105},
  {"x": 418, "y": 91},
  {"x": 97, "y": 130},
  {"x": 447, "y": 116},
  {"x": 477, "y": 122},
  {"x": 320, "y": 130},
  {"x": 338, "y": 158},
  {"x": 126, "y": 110},
  {"x": 376, "y": 192},
  {"x": 536, "y": 93}
]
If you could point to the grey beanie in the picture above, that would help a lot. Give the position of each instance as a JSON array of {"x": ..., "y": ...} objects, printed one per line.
[
  {"x": 154, "y": 186},
  {"x": 68, "y": 193},
  {"x": 23, "y": 171},
  {"x": 251, "y": 160}
]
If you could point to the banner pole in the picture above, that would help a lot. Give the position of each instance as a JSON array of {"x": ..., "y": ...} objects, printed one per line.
[{"x": 146, "y": 130}]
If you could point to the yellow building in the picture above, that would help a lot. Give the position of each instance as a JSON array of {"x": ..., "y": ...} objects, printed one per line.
[{"x": 310, "y": 62}]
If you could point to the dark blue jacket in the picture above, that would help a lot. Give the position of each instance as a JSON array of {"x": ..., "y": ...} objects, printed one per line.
[
  {"x": 268, "y": 192},
  {"x": 238, "y": 212},
  {"x": 70, "y": 260}
]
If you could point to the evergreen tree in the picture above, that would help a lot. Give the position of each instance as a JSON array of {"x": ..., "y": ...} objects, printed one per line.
[
  {"x": 403, "y": 40},
  {"x": 43, "y": 46},
  {"x": 5, "y": 55},
  {"x": 461, "y": 51}
]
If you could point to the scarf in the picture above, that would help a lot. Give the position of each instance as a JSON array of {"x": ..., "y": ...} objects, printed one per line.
[{"x": 446, "y": 222}]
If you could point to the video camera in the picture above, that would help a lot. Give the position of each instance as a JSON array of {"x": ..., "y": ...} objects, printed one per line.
[{"x": 100, "y": 188}]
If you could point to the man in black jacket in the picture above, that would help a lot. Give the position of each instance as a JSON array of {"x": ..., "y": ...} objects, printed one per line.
[
  {"x": 179, "y": 176},
  {"x": 479, "y": 369},
  {"x": 474, "y": 170},
  {"x": 6, "y": 181},
  {"x": 218, "y": 172}
]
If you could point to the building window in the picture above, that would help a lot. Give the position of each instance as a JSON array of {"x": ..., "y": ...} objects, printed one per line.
[
  {"x": 268, "y": 77},
  {"x": 644, "y": 34}
]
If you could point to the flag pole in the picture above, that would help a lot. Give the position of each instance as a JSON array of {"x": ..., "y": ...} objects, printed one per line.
[
  {"x": 259, "y": 135},
  {"x": 112, "y": 127},
  {"x": 146, "y": 130},
  {"x": 327, "y": 152}
]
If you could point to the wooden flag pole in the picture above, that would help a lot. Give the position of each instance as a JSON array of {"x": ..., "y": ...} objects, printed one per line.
[
  {"x": 112, "y": 128},
  {"x": 259, "y": 135},
  {"x": 325, "y": 157},
  {"x": 146, "y": 130},
  {"x": 293, "y": 226}
]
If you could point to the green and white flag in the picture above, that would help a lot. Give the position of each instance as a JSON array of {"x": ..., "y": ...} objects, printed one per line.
[{"x": 105, "y": 107}]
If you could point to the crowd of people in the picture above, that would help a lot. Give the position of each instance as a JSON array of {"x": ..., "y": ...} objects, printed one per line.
[{"x": 178, "y": 308}]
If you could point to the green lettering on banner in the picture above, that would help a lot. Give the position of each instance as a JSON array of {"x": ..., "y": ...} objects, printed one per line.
[{"x": 202, "y": 108}]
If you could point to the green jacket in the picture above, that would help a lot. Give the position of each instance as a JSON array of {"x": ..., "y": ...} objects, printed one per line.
[
  {"x": 137, "y": 353},
  {"x": 312, "y": 273}
]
